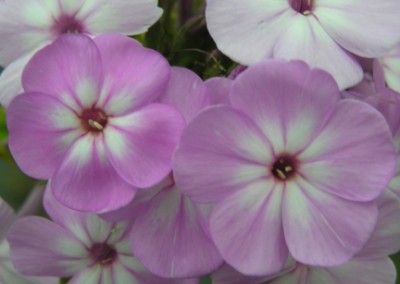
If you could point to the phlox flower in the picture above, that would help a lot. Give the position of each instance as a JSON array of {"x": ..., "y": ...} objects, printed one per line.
[
  {"x": 8, "y": 274},
  {"x": 370, "y": 266},
  {"x": 290, "y": 167},
  {"x": 170, "y": 233},
  {"x": 78, "y": 245},
  {"x": 322, "y": 33},
  {"x": 87, "y": 120},
  {"x": 27, "y": 26}
]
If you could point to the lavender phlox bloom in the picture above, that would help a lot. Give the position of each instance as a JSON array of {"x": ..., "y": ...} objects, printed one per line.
[
  {"x": 323, "y": 33},
  {"x": 170, "y": 233},
  {"x": 89, "y": 112},
  {"x": 370, "y": 266},
  {"x": 27, "y": 26},
  {"x": 8, "y": 274},
  {"x": 291, "y": 167},
  {"x": 78, "y": 245}
]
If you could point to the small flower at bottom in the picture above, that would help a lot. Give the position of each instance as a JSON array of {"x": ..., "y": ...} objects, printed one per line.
[
  {"x": 88, "y": 112},
  {"x": 78, "y": 245}
]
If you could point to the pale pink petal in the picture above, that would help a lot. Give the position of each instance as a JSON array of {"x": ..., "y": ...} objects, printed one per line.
[
  {"x": 9, "y": 275},
  {"x": 134, "y": 75},
  {"x": 96, "y": 185},
  {"x": 353, "y": 156},
  {"x": 168, "y": 237},
  {"x": 385, "y": 239},
  {"x": 366, "y": 28},
  {"x": 10, "y": 80},
  {"x": 24, "y": 27},
  {"x": 88, "y": 228},
  {"x": 70, "y": 69},
  {"x": 247, "y": 31},
  {"x": 247, "y": 229},
  {"x": 132, "y": 266},
  {"x": 360, "y": 271},
  {"x": 123, "y": 16},
  {"x": 140, "y": 145},
  {"x": 229, "y": 142},
  {"x": 314, "y": 233},
  {"x": 390, "y": 63},
  {"x": 90, "y": 275},
  {"x": 288, "y": 101},
  {"x": 228, "y": 275},
  {"x": 185, "y": 92},
  {"x": 32, "y": 203},
  {"x": 306, "y": 40},
  {"x": 34, "y": 238},
  {"x": 218, "y": 90},
  {"x": 39, "y": 143}
]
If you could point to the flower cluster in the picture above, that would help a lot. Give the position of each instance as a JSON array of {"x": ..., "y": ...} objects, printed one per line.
[{"x": 284, "y": 168}]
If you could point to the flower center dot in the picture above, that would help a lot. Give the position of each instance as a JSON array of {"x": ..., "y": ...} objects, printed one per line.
[
  {"x": 94, "y": 120},
  {"x": 67, "y": 24},
  {"x": 103, "y": 253},
  {"x": 284, "y": 168},
  {"x": 304, "y": 7}
]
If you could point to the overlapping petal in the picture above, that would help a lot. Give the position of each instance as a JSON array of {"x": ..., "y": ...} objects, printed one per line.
[
  {"x": 168, "y": 236},
  {"x": 10, "y": 80},
  {"x": 186, "y": 92},
  {"x": 96, "y": 185},
  {"x": 34, "y": 238}
]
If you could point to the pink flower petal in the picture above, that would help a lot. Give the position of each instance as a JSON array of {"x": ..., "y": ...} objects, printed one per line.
[
  {"x": 366, "y": 28},
  {"x": 21, "y": 28},
  {"x": 130, "y": 77},
  {"x": 314, "y": 233},
  {"x": 140, "y": 145},
  {"x": 10, "y": 80},
  {"x": 306, "y": 40},
  {"x": 34, "y": 238},
  {"x": 39, "y": 143},
  {"x": 385, "y": 239},
  {"x": 218, "y": 90},
  {"x": 229, "y": 142},
  {"x": 96, "y": 186},
  {"x": 353, "y": 156},
  {"x": 123, "y": 16},
  {"x": 288, "y": 101},
  {"x": 90, "y": 275},
  {"x": 247, "y": 229},
  {"x": 247, "y": 31},
  {"x": 138, "y": 272},
  {"x": 360, "y": 271},
  {"x": 70, "y": 68},
  {"x": 185, "y": 92},
  {"x": 168, "y": 236}
]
